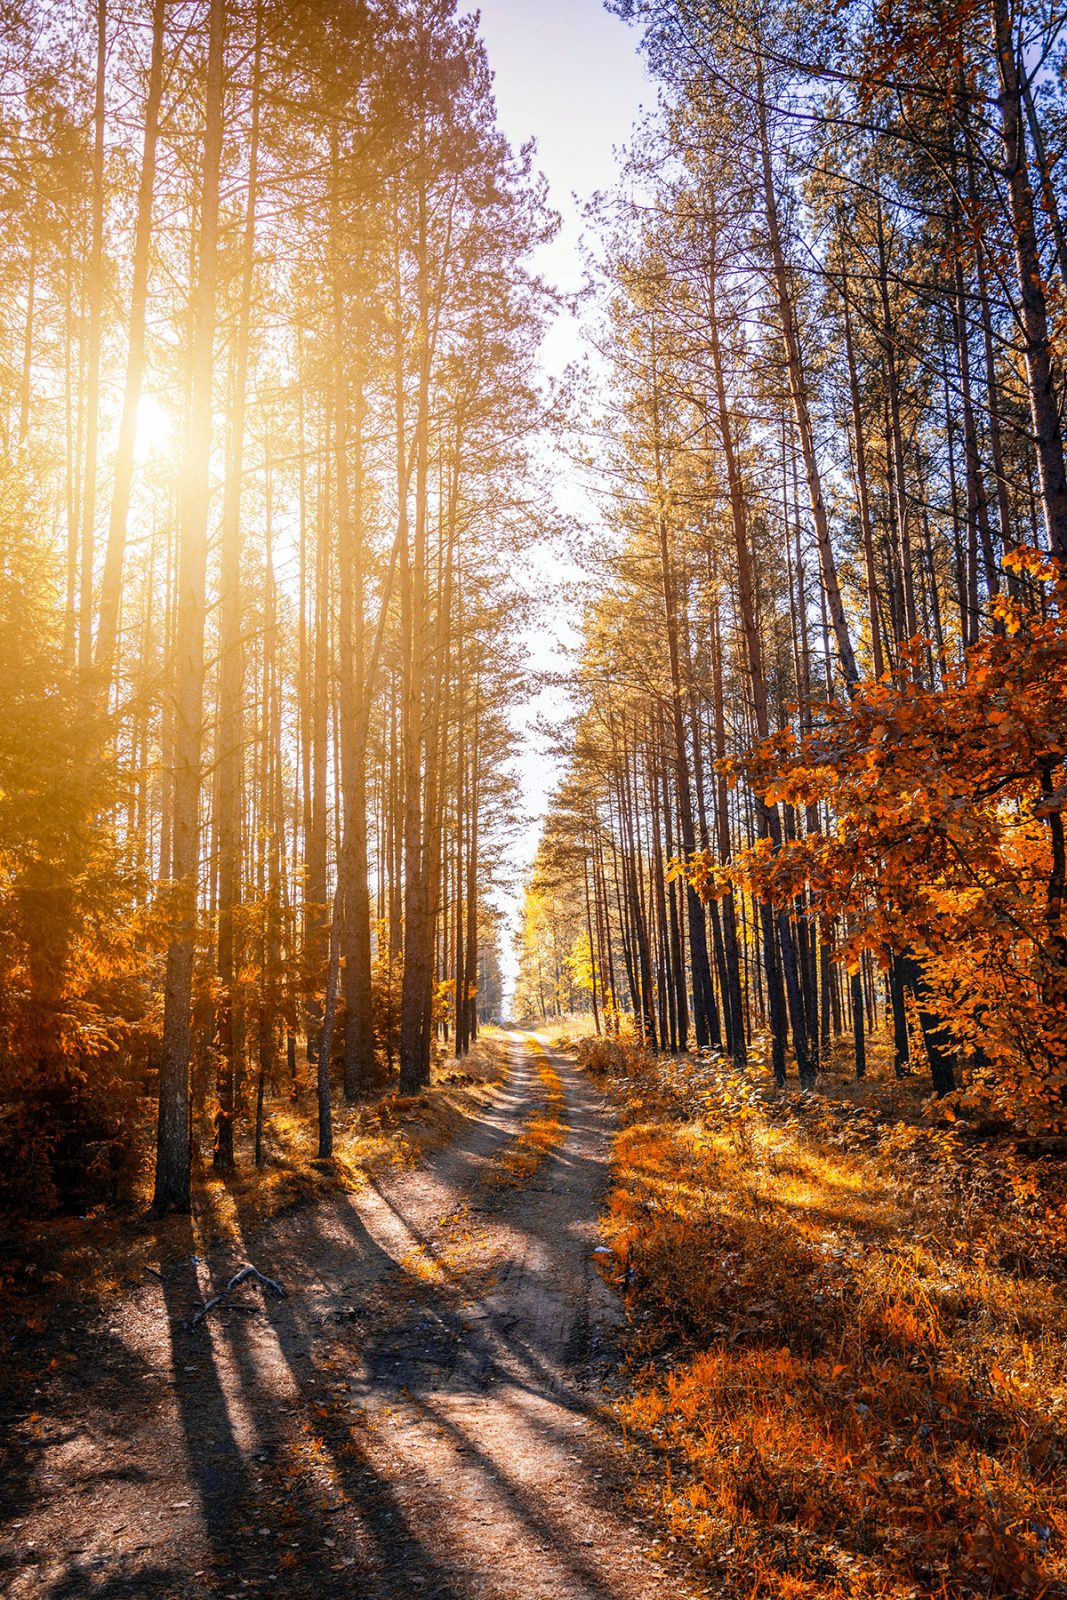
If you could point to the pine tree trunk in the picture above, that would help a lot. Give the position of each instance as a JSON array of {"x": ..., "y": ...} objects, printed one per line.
[
  {"x": 111, "y": 585},
  {"x": 173, "y": 1152},
  {"x": 769, "y": 821},
  {"x": 414, "y": 1057},
  {"x": 231, "y": 669},
  {"x": 862, "y": 492},
  {"x": 1044, "y": 402},
  {"x": 353, "y": 869},
  {"x": 92, "y": 377},
  {"x": 799, "y": 395}
]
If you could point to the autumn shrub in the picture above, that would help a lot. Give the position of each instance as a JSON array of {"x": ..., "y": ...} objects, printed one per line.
[
  {"x": 945, "y": 845},
  {"x": 607, "y": 1053},
  {"x": 846, "y": 1347},
  {"x": 77, "y": 1031},
  {"x": 602, "y": 1054},
  {"x": 76, "y": 957}
]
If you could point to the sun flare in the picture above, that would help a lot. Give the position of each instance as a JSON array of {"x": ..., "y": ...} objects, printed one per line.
[{"x": 155, "y": 429}]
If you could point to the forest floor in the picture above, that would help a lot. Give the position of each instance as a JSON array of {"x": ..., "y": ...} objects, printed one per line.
[
  {"x": 429, "y": 1411},
  {"x": 847, "y": 1334}
]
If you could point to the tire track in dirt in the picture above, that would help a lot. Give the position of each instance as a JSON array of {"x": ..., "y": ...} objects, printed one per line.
[{"x": 419, "y": 1417}]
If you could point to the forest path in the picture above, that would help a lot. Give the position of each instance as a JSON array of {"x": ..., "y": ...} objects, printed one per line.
[{"x": 420, "y": 1416}]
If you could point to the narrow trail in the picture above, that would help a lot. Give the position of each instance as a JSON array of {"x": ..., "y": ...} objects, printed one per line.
[{"x": 419, "y": 1417}]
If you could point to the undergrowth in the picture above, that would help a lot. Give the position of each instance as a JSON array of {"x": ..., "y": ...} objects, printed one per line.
[
  {"x": 109, "y": 1250},
  {"x": 847, "y": 1363}
]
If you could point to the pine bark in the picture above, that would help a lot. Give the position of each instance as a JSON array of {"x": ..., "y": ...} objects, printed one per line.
[{"x": 173, "y": 1153}]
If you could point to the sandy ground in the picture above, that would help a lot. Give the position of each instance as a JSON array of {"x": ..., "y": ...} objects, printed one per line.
[{"x": 423, "y": 1415}]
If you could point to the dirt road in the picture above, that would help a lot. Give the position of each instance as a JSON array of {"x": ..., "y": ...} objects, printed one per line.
[{"x": 419, "y": 1417}]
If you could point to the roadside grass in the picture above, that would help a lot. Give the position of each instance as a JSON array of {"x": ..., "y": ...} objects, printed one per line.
[
  {"x": 47, "y": 1261},
  {"x": 847, "y": 1345}
]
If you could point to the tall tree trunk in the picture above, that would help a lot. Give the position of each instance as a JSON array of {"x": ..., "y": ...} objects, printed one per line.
[
  {"x": 173, "y": 1153},
  {"x": 705, "y": 1012},
  {"x": 798, "y": 392},
  {"x": 317, "y": 924},
  {"x": 992, "y": 400},
  {"x": 1044, "y": 403},
  {"x": 352, "y": 870},
  {"x": 738, "y": 1045},
  {"x": 418, "y": 953},
  {"x": 977, "y": 518},
  {"x": 767, "y": 815},
  {"x": 92, "y": 377},
  {"x": 470, "y": 982},
  {"x": 681, "y": 1010},
  {"x": 862, "y": 492},
  {"x": 895, "y": 442},
  {"x": 111, "y": 584},
  {"x": 232, "y": 666}
]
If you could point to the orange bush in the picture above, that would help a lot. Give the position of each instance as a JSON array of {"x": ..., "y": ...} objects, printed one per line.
[{"x": 946, "y": 843}]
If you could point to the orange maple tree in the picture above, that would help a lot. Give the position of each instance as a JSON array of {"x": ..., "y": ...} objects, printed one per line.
[{"x": 945, "y": 843}]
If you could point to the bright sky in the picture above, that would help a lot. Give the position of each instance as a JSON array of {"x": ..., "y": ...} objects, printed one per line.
[{"x": 567, "y": 73}]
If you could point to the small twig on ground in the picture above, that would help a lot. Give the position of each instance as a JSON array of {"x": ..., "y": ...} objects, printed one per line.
[{"x": 238, "y": 1278}]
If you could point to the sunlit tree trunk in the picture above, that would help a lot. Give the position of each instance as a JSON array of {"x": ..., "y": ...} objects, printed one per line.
[
  {"x": 414, "y": 1045},
  {"x": 798, "y": 391},
  {"x": 356, "y": 930},
  {"x": 111, "y": 583},
  {"x": 768, "y": 818},
  {"x": 231, "y": 665},
  {"x": 706, "y": 1017},
  {"x": 92, "y": 377},
  {"x": 172, "y": 1181},
  {"x": 862, "y": 490}
]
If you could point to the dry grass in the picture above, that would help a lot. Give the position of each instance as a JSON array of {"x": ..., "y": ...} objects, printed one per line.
[
  {"x": 49, "y": 1261},
  {"x": 562, "y": 1033},
  {"x": 848, "y": 1346}
]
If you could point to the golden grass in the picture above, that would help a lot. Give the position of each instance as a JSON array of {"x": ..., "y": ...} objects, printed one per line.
[{"x": 848, "y": 1346}]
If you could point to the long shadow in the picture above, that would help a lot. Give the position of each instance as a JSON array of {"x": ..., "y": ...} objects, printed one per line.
[
  {"x": 963, "y": 1511},
  {"x": 385, "y": 1522},
  {"x": 835, "y": 1218},
  {"x": 786, "y": 1219},
  {"x": 225, "y": 1482},
  {"x": 547, "y": 1529},
  {"x": 216, "y": 1463},
  {"x": 442, "y": 1341},
  {"x": 271, "y": 1464},
  {"x": 460, "y": 1165},
  {"x": 392, "y": 1542},
  {"x": 392, "y": 1557},
  {"x": 441, "y": 1349}
]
